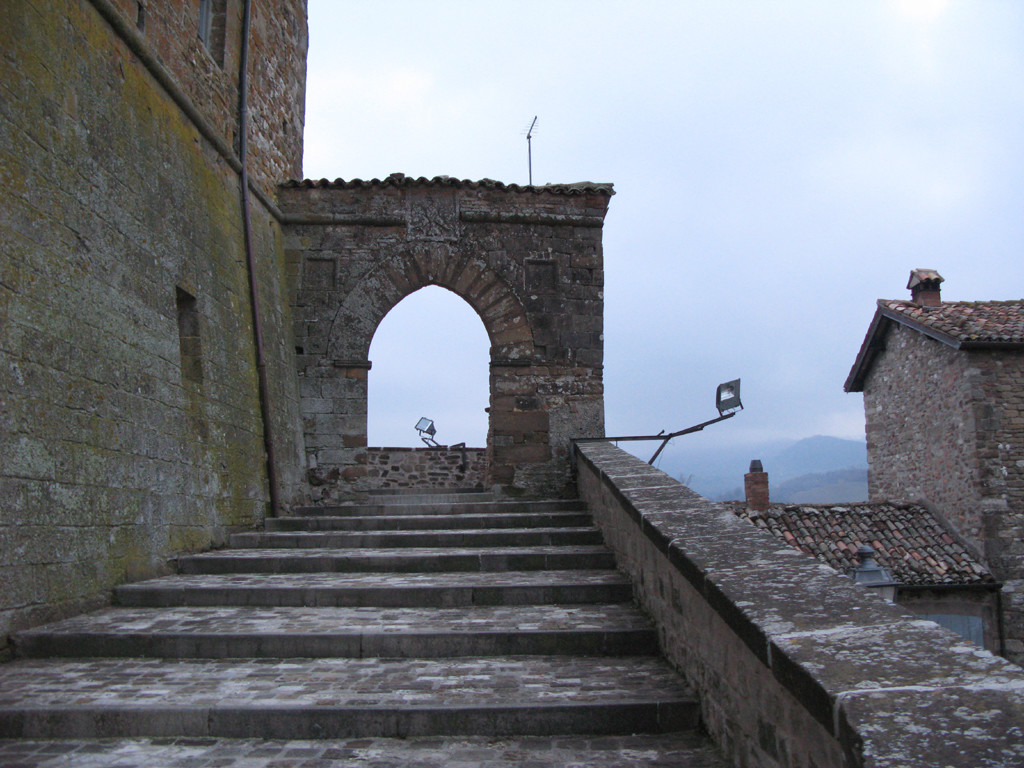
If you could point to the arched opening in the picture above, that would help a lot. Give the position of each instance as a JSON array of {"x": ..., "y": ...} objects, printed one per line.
[{"x": 430, "y": 358}]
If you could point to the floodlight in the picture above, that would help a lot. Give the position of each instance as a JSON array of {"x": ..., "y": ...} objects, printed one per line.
[
  {"x": 727, "y": 398},
  {"x": 427, "y": 431}
]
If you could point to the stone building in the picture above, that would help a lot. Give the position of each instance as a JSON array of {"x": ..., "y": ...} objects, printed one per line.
[
  {"x": 943, "y": 385},
  {"x": 184, "y": 327}
]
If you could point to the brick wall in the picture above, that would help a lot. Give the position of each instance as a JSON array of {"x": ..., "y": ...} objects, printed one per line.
[
  {"x": 946, "y": 427},
  {"x": 793, "y": 663},
  {"x": 527, "y": 260},
  {"x": 129, "y": 417},
  {"x": 426, "y": 468}
]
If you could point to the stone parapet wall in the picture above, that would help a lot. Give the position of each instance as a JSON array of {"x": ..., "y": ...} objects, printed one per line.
[
  {"x": 426, "y": 467},
  {"x": 794, "y": 664}
]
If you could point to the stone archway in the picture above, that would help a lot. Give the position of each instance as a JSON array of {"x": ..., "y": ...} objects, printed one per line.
[{"x": 528, "y": 260}]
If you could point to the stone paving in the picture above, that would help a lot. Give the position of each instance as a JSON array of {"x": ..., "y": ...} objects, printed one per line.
[
  {"x": 476, "y": 537},
  {"x": 323, "y": 559},
  {"x": 341, "y": 621},
  {"x": 381, "y": 589},
  {"x": 428, "y": 522},
  {"x": 344, "y": 632},
  {"x": 682, "y": 750}
]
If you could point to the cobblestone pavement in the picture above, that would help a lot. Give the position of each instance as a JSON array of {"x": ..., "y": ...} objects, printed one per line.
[{"x": 676, "y": 750}]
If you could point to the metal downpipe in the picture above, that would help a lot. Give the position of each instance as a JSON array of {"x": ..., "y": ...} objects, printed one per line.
[{"x": 250, "y": 260}]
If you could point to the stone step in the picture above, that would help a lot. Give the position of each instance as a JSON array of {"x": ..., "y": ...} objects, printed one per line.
[
  {"x": 430, "y": 522},
  {"x": 441, "y": 508},
  {"x": 484, "y": 537},
  {"x": 411, "y": 560},
  {"x": 220, "y": 633},
  {"x": 681, "y": 750},
  {"x": 407, "y": 496},
  {"x": 380, "y": 589},
  {"x": 341, "y": 698}
]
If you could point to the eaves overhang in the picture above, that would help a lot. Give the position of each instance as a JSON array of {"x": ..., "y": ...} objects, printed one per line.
[{"x": 874, "y": 342}]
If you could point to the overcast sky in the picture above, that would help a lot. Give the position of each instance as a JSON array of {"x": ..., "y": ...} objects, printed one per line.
[{"x": 778, "y": 166}]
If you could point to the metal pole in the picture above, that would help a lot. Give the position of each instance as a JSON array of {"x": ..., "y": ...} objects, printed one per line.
[{"x": 529, "y": 149}]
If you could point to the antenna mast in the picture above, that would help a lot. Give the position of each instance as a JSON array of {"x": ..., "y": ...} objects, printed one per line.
[{"x": 529, "y": 148}]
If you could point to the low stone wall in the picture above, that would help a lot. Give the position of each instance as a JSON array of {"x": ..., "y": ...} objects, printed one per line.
[
  {"x": 426, "y": 468},
  {"x": 794, "y": 664}
]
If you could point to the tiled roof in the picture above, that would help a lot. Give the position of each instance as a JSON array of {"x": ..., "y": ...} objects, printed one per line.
[
  {"x": 907, "y": 538},
  {"x": 960, "y": 324},
  {"x": 966, "y": 321},
  {"x": 401, "y": 180}
]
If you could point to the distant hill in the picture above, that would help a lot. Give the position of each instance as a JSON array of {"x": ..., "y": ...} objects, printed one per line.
[
  {"x": 817, "y": 454},
  {"x": 840, "y": 486},
  {"x": 717, "y": 473}
]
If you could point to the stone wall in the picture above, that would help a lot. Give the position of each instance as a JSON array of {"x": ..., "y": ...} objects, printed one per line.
[
  {"x": 793, "y": 663},
  {"x": 920, "y": 425},
  {"x": 527, "y": 259},
  {"x": 130, "y": 425},
  {"x": 946, "y": 427},
  {"x": 426, "y": 467},
  {"x": 208, "y": 73}
]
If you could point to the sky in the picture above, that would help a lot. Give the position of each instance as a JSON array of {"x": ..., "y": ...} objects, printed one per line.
[{"x": 778, "y": 166}]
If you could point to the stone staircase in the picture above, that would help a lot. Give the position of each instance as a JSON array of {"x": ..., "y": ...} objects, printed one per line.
[{"x": 411, "y": 629}]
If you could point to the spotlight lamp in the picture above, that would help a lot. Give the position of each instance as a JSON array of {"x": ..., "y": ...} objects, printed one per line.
[
  {"x": 727, "y": 398},
  {"x": 727, "y": 401},
  {"x": 427, "y": 431}
]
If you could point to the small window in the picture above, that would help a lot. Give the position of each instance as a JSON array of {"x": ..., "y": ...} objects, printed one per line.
[
  {"x": 189, "y": 341},
  {"x": 968, "y": 627},
  {"x": 212, "y": 20}
]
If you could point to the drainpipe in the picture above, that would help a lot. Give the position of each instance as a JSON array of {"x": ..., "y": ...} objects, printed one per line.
[{"x": 250, "y": 260}]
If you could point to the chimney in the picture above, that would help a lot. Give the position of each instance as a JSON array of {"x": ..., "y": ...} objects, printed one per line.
[
  {"x": 924, "y": 287},
  {"x": 755, "y": 486}
]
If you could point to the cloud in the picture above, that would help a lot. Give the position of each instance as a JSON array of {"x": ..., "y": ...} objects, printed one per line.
[
  {"x": 921, "y": 11},
  {"x": 897, "y": 173}
]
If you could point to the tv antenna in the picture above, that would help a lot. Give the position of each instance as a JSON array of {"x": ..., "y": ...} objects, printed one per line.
[{"x": 529, "y": 148}]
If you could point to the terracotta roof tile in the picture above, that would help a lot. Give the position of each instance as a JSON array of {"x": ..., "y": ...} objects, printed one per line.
[
  {"x": 960, "y": 324},
  {"x": 966, "y": 321},
  {"x": 401, "y": 180},
  {"x": 908, "y": 539}
]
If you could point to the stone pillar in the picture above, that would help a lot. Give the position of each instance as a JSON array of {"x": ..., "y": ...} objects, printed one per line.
[{"x": 755, "y": 486}]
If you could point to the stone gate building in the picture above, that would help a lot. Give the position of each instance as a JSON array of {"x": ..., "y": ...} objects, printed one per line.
[{"x": 527, "y": 259}]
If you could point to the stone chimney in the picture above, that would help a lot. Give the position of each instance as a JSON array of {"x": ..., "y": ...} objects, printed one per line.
[
  {"x": 924, "y": 287},
  {"x": 755, "y": 486}
]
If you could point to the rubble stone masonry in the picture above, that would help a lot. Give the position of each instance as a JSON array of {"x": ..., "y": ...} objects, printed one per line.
[
  {"x": 130, "y": 426},
  {"x": 946, "y": 427},
  {"x": 426, "y": 467}
]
